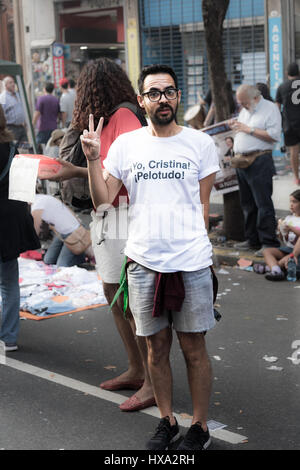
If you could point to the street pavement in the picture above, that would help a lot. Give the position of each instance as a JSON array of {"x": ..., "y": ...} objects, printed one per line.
[
  {"x": 51, "y": 399},
  {"x": 50, "y": 395}
]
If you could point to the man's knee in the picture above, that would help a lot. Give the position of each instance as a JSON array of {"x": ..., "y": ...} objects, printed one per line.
[
  {"x": 194, "y": 348},
  {"x": 159, "y": 347}
]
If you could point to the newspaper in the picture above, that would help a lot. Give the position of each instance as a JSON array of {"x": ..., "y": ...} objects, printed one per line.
[
  {"x": 226, "y": 179},
  {"x": 22, "y": 179}
]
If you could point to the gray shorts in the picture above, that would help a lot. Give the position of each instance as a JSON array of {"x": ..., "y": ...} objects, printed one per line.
[{"x": 196, "y": 314}]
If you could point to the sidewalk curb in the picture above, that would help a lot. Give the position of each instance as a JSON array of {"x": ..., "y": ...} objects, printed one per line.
[{"x": 230, "y": 256}]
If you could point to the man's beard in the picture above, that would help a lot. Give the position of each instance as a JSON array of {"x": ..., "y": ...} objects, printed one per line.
[
  {"x": 252, "y": 107},
  {"x": 163, "y": 120}
]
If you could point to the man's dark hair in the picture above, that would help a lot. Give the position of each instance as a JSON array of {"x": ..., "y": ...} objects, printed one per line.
[
  {"x": 153, "y": 70},
  {"x": 264, "y": 90},
  {"x": 293, "y": 69},
  {"x": 296, "y": 194},
  {"x": 49, "y": 87},
  {"x": 72, "y": 83}
]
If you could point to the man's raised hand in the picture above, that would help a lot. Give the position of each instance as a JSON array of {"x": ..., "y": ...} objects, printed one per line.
[{"x": 90, "y": 139}]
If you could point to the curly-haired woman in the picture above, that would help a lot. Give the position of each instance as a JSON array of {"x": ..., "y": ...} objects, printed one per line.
[
  {"x": 104, "y": 90},
  {"x": 17, "y": 235}
]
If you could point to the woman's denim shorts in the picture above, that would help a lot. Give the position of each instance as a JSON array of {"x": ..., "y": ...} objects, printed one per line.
[{"x": 196, "y": 314}]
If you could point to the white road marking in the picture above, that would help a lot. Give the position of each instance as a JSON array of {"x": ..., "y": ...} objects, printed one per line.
[{"x": 112, "y": 397}]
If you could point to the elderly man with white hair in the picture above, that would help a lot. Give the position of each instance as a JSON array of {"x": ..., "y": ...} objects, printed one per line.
[
  {"x": 11, "y": 103},
  {"x": 257, "y": 128}
]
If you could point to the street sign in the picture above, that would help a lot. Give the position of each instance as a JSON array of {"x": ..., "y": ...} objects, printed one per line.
[{"x": 58, "y": 63}]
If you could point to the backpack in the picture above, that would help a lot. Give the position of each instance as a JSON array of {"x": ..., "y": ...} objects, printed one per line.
[{"x": 76, "y": 191}]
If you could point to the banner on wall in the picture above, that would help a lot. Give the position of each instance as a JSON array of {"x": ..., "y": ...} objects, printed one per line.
[
  {"x": 276, "y": 64},
  {"x": 58, "y": 63},
  {"x": 275, "y": 52}
]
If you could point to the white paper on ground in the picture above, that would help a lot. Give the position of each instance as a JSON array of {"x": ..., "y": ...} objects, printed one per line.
[
  {"x": 22, "y": 179},
  {"x": 275, "y": 368},
  {"x": 270, "y": 358},
  {"x": 214, "y": 425}
]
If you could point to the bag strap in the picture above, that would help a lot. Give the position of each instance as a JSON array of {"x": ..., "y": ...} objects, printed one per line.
[
  {"x": 52, "y": 227},
  {"x": 12, "y": 152},
  {"x": 80, "y": 159},
  {"x": 134, "y": 109}
]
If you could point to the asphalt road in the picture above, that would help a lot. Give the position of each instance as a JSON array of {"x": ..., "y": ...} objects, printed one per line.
[{"x": 50, "y": 395}]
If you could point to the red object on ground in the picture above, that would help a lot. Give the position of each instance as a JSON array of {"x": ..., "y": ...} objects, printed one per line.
[
  {"x": 47, "y": 164},
  {"x": 32, "y": 254}
]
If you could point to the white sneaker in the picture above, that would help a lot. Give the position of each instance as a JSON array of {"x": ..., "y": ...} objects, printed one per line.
[
  {"x": 260, "y": 253},
  {"x": 9, "y": 347},
  {"x": 244, "y": 246}
]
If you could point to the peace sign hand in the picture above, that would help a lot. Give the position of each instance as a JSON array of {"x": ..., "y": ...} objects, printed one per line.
[{"x": 90, "y": 140}]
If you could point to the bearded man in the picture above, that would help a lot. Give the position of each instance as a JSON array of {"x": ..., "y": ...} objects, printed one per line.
[
  {"x": 168, "y": 250},
  {"x": 257, "y": 128}
]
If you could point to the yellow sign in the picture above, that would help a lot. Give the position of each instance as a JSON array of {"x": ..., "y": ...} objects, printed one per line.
[{"x": 133, "y": 51}]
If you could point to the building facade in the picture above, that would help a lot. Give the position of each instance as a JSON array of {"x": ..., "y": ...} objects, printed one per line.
[
  {"x": 260, "y": 37},
  {"x": 56, "y": 38}
]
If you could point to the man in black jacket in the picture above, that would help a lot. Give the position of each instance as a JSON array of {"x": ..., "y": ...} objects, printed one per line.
[{"x": 288, "y": 97}]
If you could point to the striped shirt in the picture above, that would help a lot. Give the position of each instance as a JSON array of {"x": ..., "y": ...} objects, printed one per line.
[{"x": 13, "y": 108}]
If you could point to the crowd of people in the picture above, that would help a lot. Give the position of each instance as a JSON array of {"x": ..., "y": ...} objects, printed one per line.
[
  {"x": 51, "y": 112},
  {"x": 257, "y": 129},
  {"x": 147, "y": 174}
]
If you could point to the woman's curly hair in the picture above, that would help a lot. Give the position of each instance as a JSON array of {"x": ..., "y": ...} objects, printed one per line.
[{"x": 102, "y": 85}]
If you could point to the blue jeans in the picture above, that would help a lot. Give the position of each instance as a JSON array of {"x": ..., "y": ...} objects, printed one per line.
[
  {"x": 256, "y": 188},
  {"x": 60, "y": 255},
  {"x": 43, "y": 136},
  {"x": 10, "y": 292}
]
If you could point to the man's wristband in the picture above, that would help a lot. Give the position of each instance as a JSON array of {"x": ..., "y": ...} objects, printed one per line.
[
  {"x": 252, "y": 130},
  {"x": 92, "y": 159}
]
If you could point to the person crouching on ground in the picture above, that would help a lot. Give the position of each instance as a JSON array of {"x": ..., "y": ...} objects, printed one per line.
[
  {"x": 289, "y": 233},
  {"x": 55, "y": 213}
]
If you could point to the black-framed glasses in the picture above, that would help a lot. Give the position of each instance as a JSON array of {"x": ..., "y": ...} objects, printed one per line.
[{"x": 155, "y": 95}]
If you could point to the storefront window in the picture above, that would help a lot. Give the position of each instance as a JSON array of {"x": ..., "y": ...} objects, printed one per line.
[
  {"x": 42, "y": 70},
  {"x": 181, "y": 43}
]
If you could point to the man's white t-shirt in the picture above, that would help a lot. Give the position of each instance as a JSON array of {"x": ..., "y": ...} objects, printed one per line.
[
  {"x": 166, "y": 230},
  {"x": 55, "y": 213}
]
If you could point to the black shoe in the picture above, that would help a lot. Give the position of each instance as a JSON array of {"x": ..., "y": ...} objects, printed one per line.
[
  {"x": 195, "y": 439},
  {"x": 246, "y": 245},
  {"x": 275, "y": 276},
  {"x": 164, "y": 435}
]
